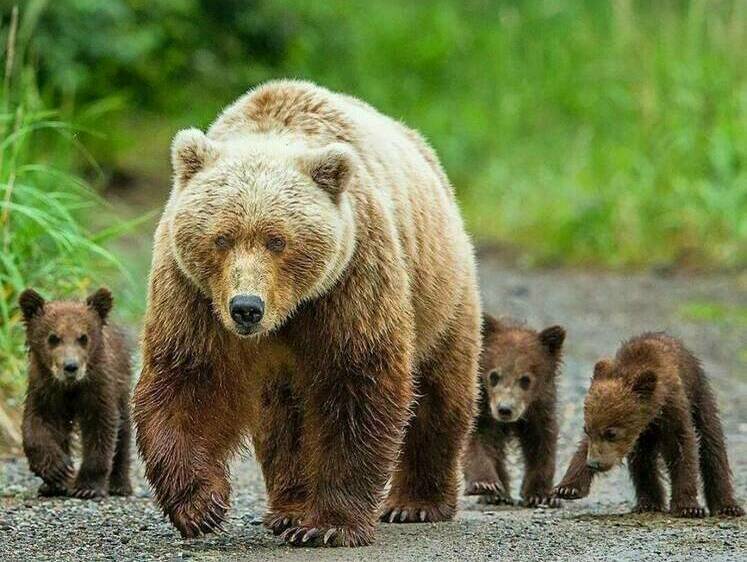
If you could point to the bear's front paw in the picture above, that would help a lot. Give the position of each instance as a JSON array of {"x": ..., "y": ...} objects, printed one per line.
[
  {"x": 56, "y": 473},
  {"x": 541, "y": 500},
  {"x": 195, "y": 518},
  {"x": 88, "y": 492},
  {"x": 570, "y": 491},
  {"x": 647, "y": 506},
  {"x": 689, "y": 511},
  {"x": 418, "y": 513},
  {"x": 731, "y": 511},
  {"x": 123, "y": 489},
  {"x": 47, "y": 490},
  {"x": 319, "y": 535},
  {"x": 279, "y": 522}
]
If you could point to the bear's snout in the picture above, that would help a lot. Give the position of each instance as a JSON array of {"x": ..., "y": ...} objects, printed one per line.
[{"x": 246, "y": 311}]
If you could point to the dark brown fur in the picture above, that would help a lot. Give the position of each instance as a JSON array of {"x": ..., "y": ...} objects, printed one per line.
[
  {"x": 654, "y": 399},
  {"x": 97, "y": 401},
  {"x": 515, "y": 352}
]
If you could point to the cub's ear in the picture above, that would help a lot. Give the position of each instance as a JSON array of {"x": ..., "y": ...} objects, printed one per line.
[
  {"x": 31, "y": 303},
  {"x": 552, "y": 339},
  {"x": 490, "y": 325},
  {"x": 602, "y": 368},
  {"x": 191, "y": 151},
  {"x": 645, "y": 384},
  {"x": 331, "y": 167},
  {"x": 101, "y": 302}
]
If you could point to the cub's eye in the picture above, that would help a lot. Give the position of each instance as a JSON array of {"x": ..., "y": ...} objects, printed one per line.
[
  {"x": 223, "y": 242},
  {"x": 83, "y": 340},
  {"x": 525, "y": 381},
  {"x": 494, "y": 377},
  {"x": 275, "y": 244},
  {"x": 609, "y": 435},
  {"x": 53, "y": 339}
]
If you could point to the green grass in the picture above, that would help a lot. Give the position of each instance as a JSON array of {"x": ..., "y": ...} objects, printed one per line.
[
  {"x": 44, "y": 211},
  {"x": 715, "y": 313}
]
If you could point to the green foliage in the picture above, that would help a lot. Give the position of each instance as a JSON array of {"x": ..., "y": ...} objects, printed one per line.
[
  {"x": 586, "y": 132},
  {"x": 44, "y": 209}
]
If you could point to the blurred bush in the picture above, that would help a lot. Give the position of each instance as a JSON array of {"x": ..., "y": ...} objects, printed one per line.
[{"x": 583, "y": 131}]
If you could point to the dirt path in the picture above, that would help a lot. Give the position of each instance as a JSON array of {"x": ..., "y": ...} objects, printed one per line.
[{"x": 599, "y": 311}]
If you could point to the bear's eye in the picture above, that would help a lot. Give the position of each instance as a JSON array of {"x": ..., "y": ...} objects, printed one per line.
[
  {"x": 609, "y": 434},
  {"x": 83, "y": 340},
  {"x": 54, "y": 340},
  {"x": 494, "y": 378},
  {"x": 525, "y": 381},
  {"x": 223, "y": 242},
  {"x": 275, "y": 244}
]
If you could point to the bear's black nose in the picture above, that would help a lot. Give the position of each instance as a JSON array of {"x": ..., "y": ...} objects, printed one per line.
[
  {"x": 593, "y": 464},
  {"x": 70, "y": 366},
  {"x": 505, "y": 412},
  {"x": 246, "y": 310}
]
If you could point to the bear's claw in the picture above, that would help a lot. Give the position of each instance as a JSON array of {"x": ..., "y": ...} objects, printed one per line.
[
  {"x": 541, "y": 500},
  {"x": 304, "y": 535},
  {"x": 692, "y": 512},
  {"x": 87, "y": 493},
  {"x": 211, "y": 520},
  {"x": 280, "y": 522},
  {"x": 484, "y": 488},
  {"x": 417, "y": 514},
  {"x": 731, "y": 511},
  {"x": 568, "y": 492}
]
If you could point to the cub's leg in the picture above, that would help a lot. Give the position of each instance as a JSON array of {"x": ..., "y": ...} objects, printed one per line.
[
  {"x": 353, "y": 424},
  {"x": 644, "y": 471},
  {"x": 46, "y": 443},
  {"x": 480, "y": 475},
  {"x": 538, "y": 436},
  {"x": 680, "y": 451},
  {"x": 714, "y": 462},
  {"x": 277, "y": 445},
  {"x": 98, "y": 427},
  {"x": 426, "y": 483},
  {"x": 119, "y": 481},
  {"x": 577, "y": 480}
]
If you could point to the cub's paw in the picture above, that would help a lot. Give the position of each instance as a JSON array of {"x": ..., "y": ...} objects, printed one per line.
[
  {"x": 310, "y": 535},
  {"x": 648, "y": 507},
  {"x": 47, "y": 490},
  {"x": 570, "y": 492},
  {"x": 541, "y": 500},
  {"x": 279, "y": 522},
  {"x": 87, "y": 492},
  {"x": 496, "y": 500},
  {"x": 417, "y": 513},
  {"x": 691, "y": 512},
  {"x": 483, "y": 488},
  {"x": 120, "y": 489},
  {"x": 730, "y": 511},
  {"x": 196, "y": 518},
  {"x": 57, "y": 473}
]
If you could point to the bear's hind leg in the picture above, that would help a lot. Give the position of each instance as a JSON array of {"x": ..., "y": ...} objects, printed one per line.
[
  {"x": 425, "y": 485},
  {"x": 277, "y": 443},
  {"x": 119, "y": 480}
]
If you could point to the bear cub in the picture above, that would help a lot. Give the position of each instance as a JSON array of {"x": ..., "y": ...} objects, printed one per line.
[
  {"x": 79, "y": 373},
  {"x": 651, "y": 400},
  {"x": 518, "y": 368}
]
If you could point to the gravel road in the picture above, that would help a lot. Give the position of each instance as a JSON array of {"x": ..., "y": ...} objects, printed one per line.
[{"x": 599, "y": 310}]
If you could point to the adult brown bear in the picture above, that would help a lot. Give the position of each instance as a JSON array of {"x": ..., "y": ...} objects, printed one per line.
[{"x": 312, "y": 289}]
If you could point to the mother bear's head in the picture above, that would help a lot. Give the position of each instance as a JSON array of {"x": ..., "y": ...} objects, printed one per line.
[{"x": 260, "y": 223}]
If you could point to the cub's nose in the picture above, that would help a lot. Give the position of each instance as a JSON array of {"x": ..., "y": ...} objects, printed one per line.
[
  {"x": 246, "y": 310},
  {"x": 504, "y": 412},
  {"x": 70, "y": 366}
]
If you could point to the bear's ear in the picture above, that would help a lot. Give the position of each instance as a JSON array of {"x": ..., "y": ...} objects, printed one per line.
[
  {"x": 645, "y": 384},
  {"x": 331, "y": 167},
  {"x": 490, "y": 325},
  {"x": 552, "y": 339},
  {"x": 602, "y": 368},
  {"x": 31, "y": 303},
  {"x": 101, "y": 302},
  {"x": 191, "y": 151}
]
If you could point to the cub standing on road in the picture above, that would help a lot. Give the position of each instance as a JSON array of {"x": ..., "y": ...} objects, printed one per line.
[
  {"x": 79, "y": 371},
  {"x": 518, "y": 368},
  {"x": 653, "y": 398}
]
